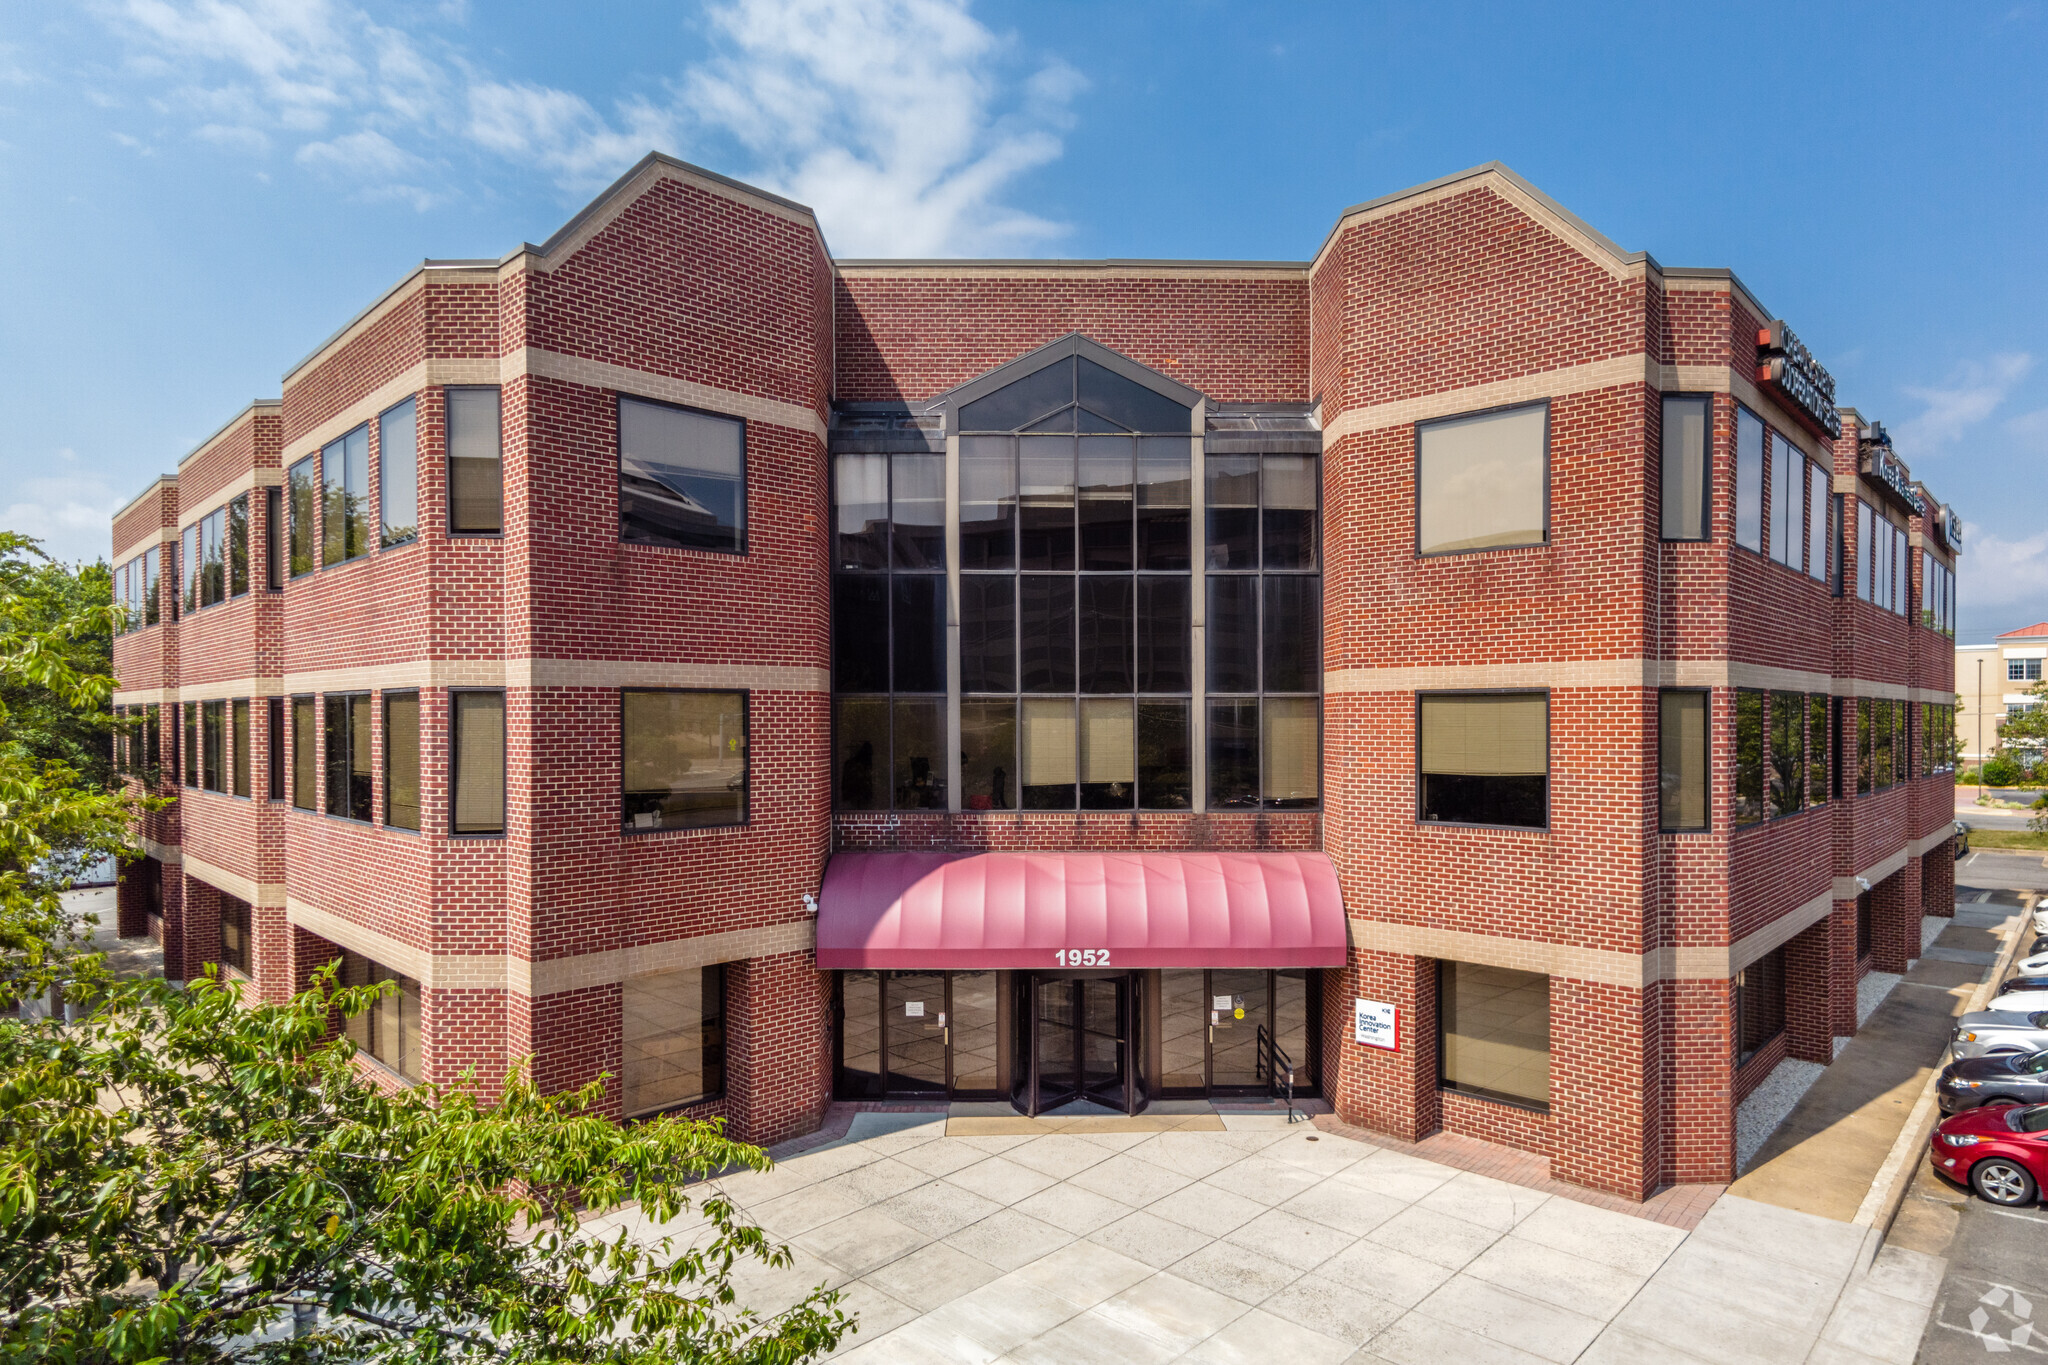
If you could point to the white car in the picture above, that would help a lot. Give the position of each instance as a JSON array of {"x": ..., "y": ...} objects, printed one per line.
[
  {"x": 2041, "y": 917},
  {"x": 2036, "y": 965},
  {"x": 2028, "y": 1000}
]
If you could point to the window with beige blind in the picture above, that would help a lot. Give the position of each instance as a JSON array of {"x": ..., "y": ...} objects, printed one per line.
[
  {"x": 477, "y": 743},
  {"x": 684, "y": 759},
  {"x": 402, "y": 760},
  {"x": 305, "y": 754},
  {"x": 1485, "y": 758},
  {"x": 476, "y": 478},
  {"x": 239, "y": 746},
  {"x": 389, "y": 1029},
  {"x": 1494, "y": 1033},
  {"x": 1688, "y": 465},
  {"x": 673, "y": 1026},
  {"x": 1682, "y": 746},
  {"x": 237, "y": 949},
  {"x": 1482, "y": 480}
]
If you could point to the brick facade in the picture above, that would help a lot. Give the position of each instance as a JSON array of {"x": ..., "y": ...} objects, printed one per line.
[{"x": 680, "y": 286}]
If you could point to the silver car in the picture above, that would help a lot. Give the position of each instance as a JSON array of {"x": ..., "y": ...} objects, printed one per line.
[{"x": 1991, "y": 1032}]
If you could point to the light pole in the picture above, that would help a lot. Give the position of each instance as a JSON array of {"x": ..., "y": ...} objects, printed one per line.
[{"x": 1980, "y": 729}]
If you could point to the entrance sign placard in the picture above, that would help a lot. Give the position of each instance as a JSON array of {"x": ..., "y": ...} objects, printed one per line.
[{"x": 1376, "y": 1024}]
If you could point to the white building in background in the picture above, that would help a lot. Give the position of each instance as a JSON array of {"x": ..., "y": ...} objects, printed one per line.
[{"x": 1992, "y": 682}]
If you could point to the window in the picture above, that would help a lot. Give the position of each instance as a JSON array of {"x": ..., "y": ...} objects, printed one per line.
[
  {"x": 305, "y": 766},
  {"x": 1788, "y": 753},
  {"x": 1485, "y": 758},
  {"x": 682, "y": 479},
  {"x": 1749, "y": 756},
  {"x": 275, "y": 735},
  {"x": 348, "y": 756},
  {"x": 1816, "y": 749},
  {"x": 1759, "y": 992},
  {"x": 1482, "y": 481},
  {"x": 345, "y": 507},
  {"x": 389, "y": 1030},
  {"x": 1688, "y": 469},
  {"x": 193, "y": 563},
  {"x": 398, "y": 476},
  {"x": 476, "y": 477},
  {"x": 152, "y": 745},
  {"x": 1866, "y": 769},
  {"x": 1749, "y": 480},
  {"x": 684, "y": 759},
  {"x": 273, "y": 518},
  {"x": 674, "y": 1035},
  {"x": 302, "y": 490},
  {"x": 1494, "y": 1038},
  {"x": 402, "y": 760},
  {"x": 1881, "y": 743},
  {"x": 240, "y": 743},
  {"x": 238, "y": 546},
  {"x": 236, "y": 945},
  {"x": 477, "y": 720},
  {"x": 2023, "y": 670},
  {"x": 150, "y": 604},
  {"x": 1683, "y": 763},
  {"x": 1819, "y": 511},
  {"x": 192, "y": 744},
  {"x": 1788, "y": 501}
]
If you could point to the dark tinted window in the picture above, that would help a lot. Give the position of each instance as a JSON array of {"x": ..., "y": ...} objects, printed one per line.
[
  {"x": 476, "y": 479},
  {"x": 684, "y": 759},
  {"x": 682, "y": 477}
]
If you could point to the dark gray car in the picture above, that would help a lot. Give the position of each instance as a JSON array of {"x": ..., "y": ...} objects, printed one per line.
[
  {"x": 1999, "y": 1031},
  {"x": 1998, "y": 1078}
]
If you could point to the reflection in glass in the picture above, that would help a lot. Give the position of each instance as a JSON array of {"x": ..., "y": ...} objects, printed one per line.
[
  {"x": 673, "y": 1027},
  {"x": 1046, "y": 635},
  {"x": 919, "y": 750},
  {"x": 1018, "y": 404},
  {"x": 917, "y": 632},
  {"x": 1290, "y": 1023},
  {"x": 1105, "y": 634},
  {"x": 1046, "y": 497},
  {"x": 860, "y": 633},
  {"x": 684, "y": 759},
  {"x": 988, "y": 633},
  {"x": 861, "y": 752},
  {"x": 1496, "y": 1032},
  {"x": 988, "y": 755},
  {"x": 1234, "y": 752},
  {"x": 1183, "y": 1029},
  {"x": 1291, "y": 746},
  {"x": 974, "y": 1031},
  {"x": 1238, "y": 1005},
  {"x": 860, "y": 497},
  {"x": 914, "y": 1004},
  {"x": 1233, "y": 511},
  {"x": 1233, "y": 633},
  {"x": 917, "y": 501},
  {"x": 1293, "y": 633},
  {"x": 1289, "y": 519},
  {"x": 1164, "y": 634},
  {"x": 1163, "y": 503},
  {"x": 860, "y": 1034},
  {"x": 1165, "y": 772},
  {"x": 1106, "y": 502},
  {"x": 988, "y": 503},
  {"x": 682, "y": 477}
]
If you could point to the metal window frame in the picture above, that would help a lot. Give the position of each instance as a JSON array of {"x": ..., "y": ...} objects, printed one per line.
[
  {"x": 1415, "y": 476},
  {"x": 1706, "y": 826},
  {"x": 455, "y": 773},
  {"x": 376, "y": 425},
  {"x": 620, "y": 399},
  {"x": 1549, "y": 757},
  {"x": 746, "y": 696},
  {"x": 1705, "y": 399}
]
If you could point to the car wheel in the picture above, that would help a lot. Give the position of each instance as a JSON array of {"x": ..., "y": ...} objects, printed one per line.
[{"x": 2002, "y": 1181}]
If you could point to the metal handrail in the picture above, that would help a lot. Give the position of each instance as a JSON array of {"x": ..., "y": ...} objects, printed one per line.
[{"x": 1274, "y": 1063}]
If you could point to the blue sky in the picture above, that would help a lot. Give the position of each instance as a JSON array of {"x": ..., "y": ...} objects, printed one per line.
[{"x": 197, "y": 192}]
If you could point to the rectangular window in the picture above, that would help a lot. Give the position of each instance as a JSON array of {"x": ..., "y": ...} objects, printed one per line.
[
  {"x": 1165, "y": 761},
  {"x": 1866, "y": 567},
  {"x": 988, "y": 755},
  {"x": 988, "y": 504},
  {"x": 2023, "y": 670},
  {"x": 1233, "y": 633},
  {"x": 476, "y": 478},
  {"x": 1688, "y": 472},
  {"x": 1816, "y": 749},
  {"x": 194, "y": 566},
  {"x": 988, "y": 633},
  {"x": 398, "y": 475},
  {"x": 236, "y": 947},
  {"x": 1233, "y": 753},
  {"x": 345, "y": 508},
  {"x": 273, "y": 518},
  {"x": 1788, "y": 753},
  {"x": 302, "y": 487},
  {"x": 240, "y": 747},
  {"x": 674, "y": 1036},
  {"x": 1045, "y": 611},
  {"x": 1109, "y": 773},
  {"x": 305, "y": 762},
  {"x": 684, "y": 759},
  {"x": 1749, "y": 480},
  {"x": 1048, "y": 745},
  {"x": 1290, "y": 751},
  {"x": 1866, "y": 747},
  {"x": 1106, "y": 494},
  {"x": 1835, "y": 547},
  {"x": 275, "y": 735},
  {"x": 150, "y": 605},
  {"x": 1819, "y": 507},
  {"x": 682, "y": 479},
  {"x": 1045, "y": 498},
  {"x": 1482, "y": 481},
  {"x": 1788, "y": 501},
  {"x": 478, "y": 746},
  {"x": 1485, "y": 758},
  {"x": 860, "y": 739},
  {"x": 1164, "y": 506},
  {"x": 917, "y": 632},
  {"x": 1759, "y": 1004},
  {"x": 1165, "y": 639},
  {"x": 918, "y": 726},
  {"x": 1880, "y": 743},
  {"x": 389, "y": 1030},
  {"x": 1494, "y": 1037},
  {"x": 238, "y": 546},
  {"x": 402, "y": 760},
  {"x": 348, "y": 756},
  {"x": 152, "y": 745},
  {"x": 1682, "y": 746},
  {"x": 1749, "y": 756},
  {"x": 191, "y": 744}
]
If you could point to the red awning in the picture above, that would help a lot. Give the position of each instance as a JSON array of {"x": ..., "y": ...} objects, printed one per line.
[{"x": 1045, "y": 911}]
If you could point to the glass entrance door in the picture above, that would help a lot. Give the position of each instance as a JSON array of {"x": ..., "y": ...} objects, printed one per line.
[{"x": 1081, "y": 1042}]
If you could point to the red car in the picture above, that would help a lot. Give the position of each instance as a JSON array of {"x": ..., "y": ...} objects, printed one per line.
[{"x": 2001, "y": 1153}]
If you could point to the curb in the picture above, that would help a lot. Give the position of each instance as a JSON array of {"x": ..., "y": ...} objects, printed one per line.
[{"x": 1887, "y": 1194}]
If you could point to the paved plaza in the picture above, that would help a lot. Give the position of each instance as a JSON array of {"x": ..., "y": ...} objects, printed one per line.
[{"x": 1270, "y": 1242}]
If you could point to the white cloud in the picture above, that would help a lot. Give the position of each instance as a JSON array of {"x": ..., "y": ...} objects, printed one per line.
[
  {"x": 886, "y": 116},
  {"x": 904, "y": 123},
  {"x": 1973, "y": 393},
  {"x": 69, "y": 513},
  {"x": 1996, "y": 572}
]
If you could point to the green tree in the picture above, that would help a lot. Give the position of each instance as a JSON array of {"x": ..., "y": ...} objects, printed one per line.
[
  {"x": 184, "y": 1176},
  {"x": 57, "y": 809}
]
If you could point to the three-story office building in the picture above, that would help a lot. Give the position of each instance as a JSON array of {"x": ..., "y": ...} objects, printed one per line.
[{"x": 1477, "y": 667}]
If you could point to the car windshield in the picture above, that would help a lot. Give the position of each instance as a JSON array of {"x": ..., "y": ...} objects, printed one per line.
[
  {"x": 2032, "y": 1118},
  {"x": 2034, "y": 1065}
]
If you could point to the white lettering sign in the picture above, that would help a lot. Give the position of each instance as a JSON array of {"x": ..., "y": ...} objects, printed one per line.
[
  {"x": 913, "y": 1009},
  {"x": 1376, "y": 1024},
  {"x": 1219, "y": 1002}
]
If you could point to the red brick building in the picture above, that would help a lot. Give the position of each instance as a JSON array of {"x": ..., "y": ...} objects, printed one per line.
[{"x": 1478, "y": 667}]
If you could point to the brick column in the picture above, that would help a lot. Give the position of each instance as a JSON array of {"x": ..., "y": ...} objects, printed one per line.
[
  {"x": 1604, "y": 1100},
  {"x": 1895, "y": 920},
  {"x": 1388, "y": 1092},
  {"x": 1841, "y": 972},
  {"x": 1812, "y": 973},
  {"x": 199, "y": 943},
  {"x": 131, "y": 897},
  {"x": 270, "y": 955},
  {"x": 174, "y": 922},
  {"x": 777, "y": 1063},
  {"x": 574, "y": 1035},
  {"x": 1938, "y": 880},
  {"x": 1700, "y": 1026}
]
